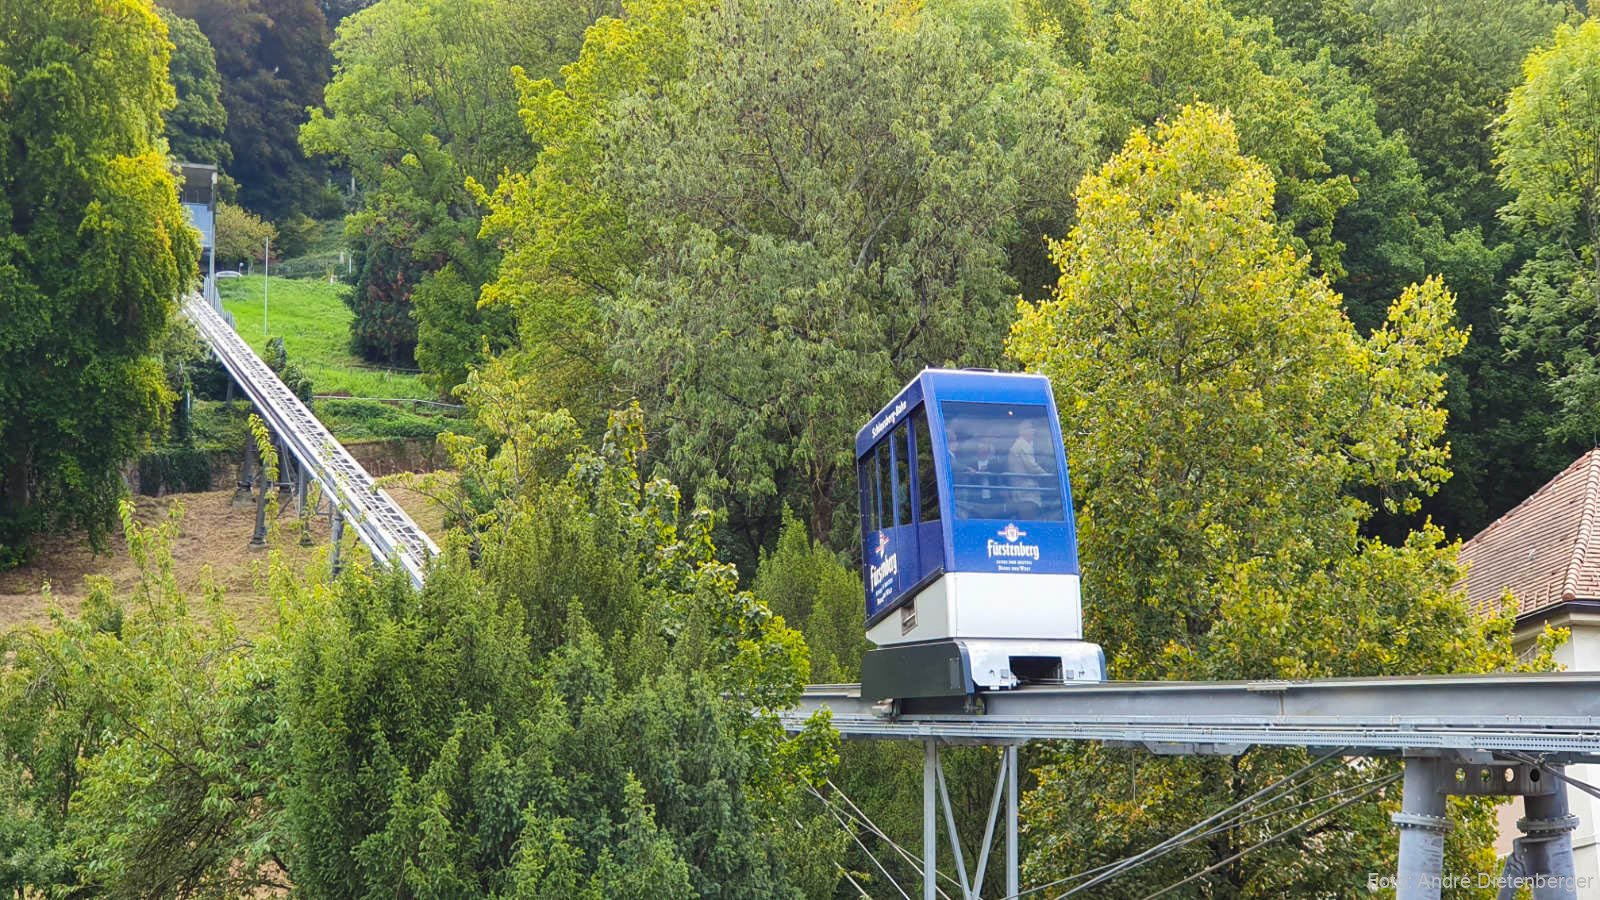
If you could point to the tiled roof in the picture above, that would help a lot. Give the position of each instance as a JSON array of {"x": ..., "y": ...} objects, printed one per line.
[{"x": 1546, "y": 550}]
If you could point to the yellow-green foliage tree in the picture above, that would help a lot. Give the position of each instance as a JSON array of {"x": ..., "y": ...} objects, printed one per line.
[
  {"x": 94, "y": 250},
  {"x": 1155, "y": 56},
  {"x": 241, "y": 234},
  {"x": 1223, "y": 421},
  {"x": 567, "y": 243},
  {"x": 1549, "y": 142}
]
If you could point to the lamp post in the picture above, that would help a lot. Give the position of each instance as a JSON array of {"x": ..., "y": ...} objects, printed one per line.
[
  {"x": 211, "y": 258},
  {"x": 266, "y": 263}
]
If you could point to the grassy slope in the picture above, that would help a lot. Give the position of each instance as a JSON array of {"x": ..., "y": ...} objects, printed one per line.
[{"x": 315, "y": 326}]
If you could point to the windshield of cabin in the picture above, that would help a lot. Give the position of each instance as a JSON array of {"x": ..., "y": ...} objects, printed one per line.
[{"x": 1002, "y": 461}]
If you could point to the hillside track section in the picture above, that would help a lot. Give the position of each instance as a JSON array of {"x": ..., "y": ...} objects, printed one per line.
[{"x": 383, "y": 526}]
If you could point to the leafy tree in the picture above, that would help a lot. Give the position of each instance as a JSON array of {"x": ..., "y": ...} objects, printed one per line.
[
  {"x": 823, "y": 205},
  {"x": 572, "y": 717},
  {"x": 1156, "y": 56},
  {"x": 94, "y": 250},
  {"x": 1341, "y": 27},
  {"x": 805, "y": 583},
  {"x": 241, "y": 234},
  {"x": 567, "y": 243},
  {"x": 1222, "y": 412},
  {"x": 387, "y": 272},
  {"x": 136, "y": 757},
  {"x": 1440, "y": 73},
  {"x": 272, "y": 56},
  {"x": 1549, "y": 154},
  {"x": 196, "y": 125},
  {"x": 1065, "y": 24},
  {"x": 422, "y": 104}
]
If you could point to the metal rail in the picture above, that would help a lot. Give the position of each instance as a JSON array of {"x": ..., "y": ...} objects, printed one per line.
[
  {"x": 1554, "y": 716},
  {"x": 380, "y": 522}
]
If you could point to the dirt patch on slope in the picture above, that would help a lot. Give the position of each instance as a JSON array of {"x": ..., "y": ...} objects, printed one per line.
[{"x": 215, "y": 535}]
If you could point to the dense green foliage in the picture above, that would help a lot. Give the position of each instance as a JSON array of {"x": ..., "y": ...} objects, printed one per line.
[
  {"x": 272, "y": 57},
  {"x": 195, "y": 127},
  {"x": 1439, "y": 74},
  {"x": 807, "y": 585},
  {"x": 584, "y": 712},
  {"x": 94, "y": 249},
  {"x": 572, "y": 717},
  {"x": 422, "y": 105}
]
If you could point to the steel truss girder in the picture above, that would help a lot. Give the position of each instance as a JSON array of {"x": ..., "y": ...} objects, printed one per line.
[{"x": 1474, "y": 718}]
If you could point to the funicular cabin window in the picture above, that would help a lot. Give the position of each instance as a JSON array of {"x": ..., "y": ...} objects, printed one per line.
[
  {"x": 1002, "y": 461},
  {"x": 927, "y": 482},
  {"x": 902, "y": 477},
  {"x": 885, "y": 486},
  {"x": 875, "y": 489}
]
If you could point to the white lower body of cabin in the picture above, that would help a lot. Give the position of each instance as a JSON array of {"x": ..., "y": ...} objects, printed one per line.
[{"x": 998, "y": 617}]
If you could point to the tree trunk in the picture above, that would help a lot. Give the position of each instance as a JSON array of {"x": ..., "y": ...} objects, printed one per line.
[
  {"x": 821, "y": 508},
  {"x": 16, "y": 489}
]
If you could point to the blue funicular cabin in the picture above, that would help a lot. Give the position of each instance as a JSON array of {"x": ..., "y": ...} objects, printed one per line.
[{"x": 969, "y": 554}]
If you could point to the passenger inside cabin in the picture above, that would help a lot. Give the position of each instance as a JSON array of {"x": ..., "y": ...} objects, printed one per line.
[
  {"x": 1001, "y": 462},
  {"x": 1024, "y": 465}
]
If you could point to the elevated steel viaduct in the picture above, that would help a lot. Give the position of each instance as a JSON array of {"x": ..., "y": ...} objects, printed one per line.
[{"x": 1503, "y": 735}]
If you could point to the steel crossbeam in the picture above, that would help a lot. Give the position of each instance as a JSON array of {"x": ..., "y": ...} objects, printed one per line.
[
  {"x": 379, "y": 521},
  {"x": 1555, "y": 716}
]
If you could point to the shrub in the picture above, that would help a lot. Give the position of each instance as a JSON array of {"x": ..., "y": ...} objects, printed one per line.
[{"x": 174, "y": 471}]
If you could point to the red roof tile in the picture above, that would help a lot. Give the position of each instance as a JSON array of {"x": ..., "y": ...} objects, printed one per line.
[{"x": 1546, "y": 550}]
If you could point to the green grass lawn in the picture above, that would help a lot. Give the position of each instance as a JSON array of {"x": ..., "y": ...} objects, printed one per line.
[{"x": 315, "y": 326}]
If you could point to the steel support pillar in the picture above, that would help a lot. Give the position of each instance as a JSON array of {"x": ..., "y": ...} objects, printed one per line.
[
  {"x": 286, "y": 464},
  {"x": 248, "y": 465},
  {"x": 1012, "y": 883},
  {"x": 1422, "y": 829},
  {"x": 936, "y": 796},
  {"x": 930, "y": 832},
  {"x": 259, "y": 537},
  {"x": 336, "y": 522},
  {"x": 1547, "y": 828}
]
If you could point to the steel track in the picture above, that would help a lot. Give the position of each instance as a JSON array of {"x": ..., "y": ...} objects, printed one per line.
[
  {"x": 1556, "y": 716},
  {"x": 383, "y": 526}
]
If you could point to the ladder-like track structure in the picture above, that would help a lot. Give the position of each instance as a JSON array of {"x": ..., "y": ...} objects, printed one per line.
[{"x": 383, "y": 526}]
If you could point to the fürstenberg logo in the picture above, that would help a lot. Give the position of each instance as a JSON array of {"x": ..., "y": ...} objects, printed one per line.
[{"x": 1011, "y": 549}]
